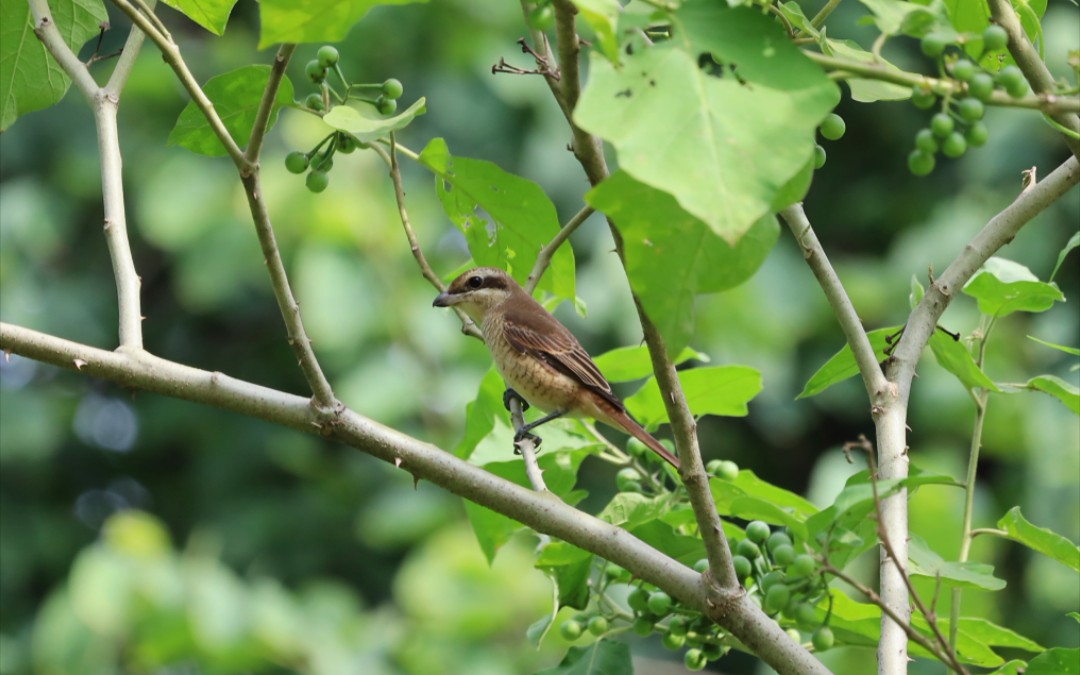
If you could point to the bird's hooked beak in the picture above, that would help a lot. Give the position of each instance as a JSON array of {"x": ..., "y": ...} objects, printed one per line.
[{"x": 445, "y": 299}]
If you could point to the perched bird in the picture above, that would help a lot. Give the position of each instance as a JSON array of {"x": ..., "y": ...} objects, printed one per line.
[{"x": 540, "y": 360}]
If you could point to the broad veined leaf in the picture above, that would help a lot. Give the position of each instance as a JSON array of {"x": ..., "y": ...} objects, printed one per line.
[
  {"x": 712, "y": 390},
  {"x": 1002, "y": 287},
  {"x": 313, "y": 20},
  {"x": 722, "y": 144},
  {"x": 367, "y": 124},
  {"x": 210, "y": 14},
  {"x": 954, "y": 357},
  {"x": 671, "y": 255},
  {"x": 30, "y": 78},
  {"x": 1055, "y": 661},
  {"x": 522, "y": 218},
  {"x": 842, "y": 364},
  {"x": 236, "y": 96},
  {"x": 926, "y": 562},
  {"x": 1047, "y": 542}
]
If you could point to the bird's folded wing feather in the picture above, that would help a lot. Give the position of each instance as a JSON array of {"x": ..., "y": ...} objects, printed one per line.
[{"x": 558, "y": 347}]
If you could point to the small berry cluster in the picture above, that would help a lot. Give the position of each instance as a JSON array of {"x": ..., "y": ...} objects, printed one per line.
[
  {"x": 320, "y": 159},
  {"x": 832, "y": 129},
  {"x": 959, "y": 124}
]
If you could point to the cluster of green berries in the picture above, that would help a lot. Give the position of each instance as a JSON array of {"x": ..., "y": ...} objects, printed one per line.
[
  {"x": 318, "y": 161},
  {"x": 680, "y": 627},
  {"x": 832, "y": 129},
  {"x": 959, "y": 124},
  {"x": 786, "y": 583}
]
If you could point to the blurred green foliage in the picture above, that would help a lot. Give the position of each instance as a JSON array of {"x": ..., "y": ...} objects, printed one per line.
[{"x": 271, "y": 551}]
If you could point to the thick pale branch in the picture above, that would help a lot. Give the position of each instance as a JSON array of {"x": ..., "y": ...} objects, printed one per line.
[
  {"x": 838, "y": 298},
  {"x": 126, "y": 61},
  {"x": 1036, "y": 72}
]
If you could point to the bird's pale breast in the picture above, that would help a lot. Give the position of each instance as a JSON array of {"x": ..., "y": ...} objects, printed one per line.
[{"x": 540, "y": 384}]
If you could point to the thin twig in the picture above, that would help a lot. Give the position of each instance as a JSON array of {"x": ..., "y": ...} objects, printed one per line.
[
  {"x": 126, "y": 62},
  {"x": 824, "y": 13},
  {"x": 266, "y": 105},
  {"x": 548, "y": 251}
]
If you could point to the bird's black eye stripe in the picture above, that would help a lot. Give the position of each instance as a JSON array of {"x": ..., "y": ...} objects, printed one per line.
[{"x": 475, "y": 282}]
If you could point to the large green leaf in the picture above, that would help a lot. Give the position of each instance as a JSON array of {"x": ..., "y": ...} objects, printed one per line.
[
  {"x": 523, "y": 219},
  {"x": 210, "y": 14},
  {"x": 927, "y": 563},
  {"x": 723, "y": 144},
  {"x": 713, "y": 390},
  {"x": 671, "y": 256},
  {"x": 1065, "y": 392},
  {"x": 842, "y": 364},
  {"x": 313, "y": 20},
  {"x": 367, "y": 125},
  {"x": 953, "y": 356},
  {"x": 1040, "y": 539},
  {"x": 30, "y": 78},
  {"x": 633, "y": 363},
  {"x": 1002, "y": 287},
  {"x": 1055, "y": 661},
  {"x": 236, "y": 96},
  {"x": 603, "y": 657}
]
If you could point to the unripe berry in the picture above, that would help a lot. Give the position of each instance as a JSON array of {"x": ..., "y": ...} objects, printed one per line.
[
  {"x": 995, "y": 37},
  {"x": 392, "y": 89},
  {"x": 317, "y": 181},
  {"x": 328, "y": 56}
]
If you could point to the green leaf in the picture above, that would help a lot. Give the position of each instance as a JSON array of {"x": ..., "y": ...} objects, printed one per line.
[
  {"x": 752, "y": 486},
  {"x": 603, "y": 657},
  {"x": 890, "y": 15},
  {"x": 313, "y": 20},
  {"x": 1058, "y": 388},
  {"x": 1002, "y": 287},
  {"x": 953, "y": 356},
  {"x": 1014, "y": 667},
  {"x": 210, "y": 14},
  {"x": 1068, "y": 350},
  {"x": 926, "y": 562},
  {"x": 1073, "y": 242},
  {"x": 724, "y": 146},
  {"x": 623, "y": 364},
  {"x": 236, "y": 96},
  {"x": 1055, "y": 661},
  {"x": 916, "y": 294},
  {"x": 568, "y": 567},
  {"x": 671, "y": 256},
  {"x": 523, "y": 218},
  {"x": 842, "y": 364},
  {"x": 30, "y": 78},
  {"x": 630, "y": 509},
  {"x": 750, "y": 498},
  {"x": 602, "y": 16},
  {"x": 1047, "y": 542},
  {"x": 994, "y": 635},
  {"x": 712, "y": 390},
  {"x": 367, "y": 124},
  {"x": 866, "y": 90}
]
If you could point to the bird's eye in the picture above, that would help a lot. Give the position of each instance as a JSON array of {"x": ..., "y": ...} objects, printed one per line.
[{"x": 475, "y": 282}]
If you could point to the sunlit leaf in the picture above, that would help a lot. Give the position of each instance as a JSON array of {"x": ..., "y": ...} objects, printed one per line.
[
  {"x": 926, "y": 562},
  {"x": 953, "y": 356},
  {"x": 603, "y": 657},
  {"x": 1061, "y": 348},
  {"x": 313, "y": 20},
  {"x": 1002, "y": 287},
  {"x": 1055, "y": 661},
  {"x": 842, "y": 365},
  {"x": 712, "y": 390},
  {"x": 210, "y": 14},
  {"x": 1040, "y": 539},
  {"x": 367, "y": 124}
]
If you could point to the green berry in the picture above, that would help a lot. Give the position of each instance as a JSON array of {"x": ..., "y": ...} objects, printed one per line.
[
  {"x": 923, "y": 98},
  {"x": 323, "y": 162},
  {"x": 386, "y": 106},
  {"x": 804, "y": 565},
  {"x": 317, "y": 181},
  {"x": 919, "y": 164},
  {"x": 954, "y": 146},
  {"x": 823, "y": 638},
  {"x": 783, "y": 555},
  {"x": 934, "y": 44},
  {"x": 743, "y": 566},
  {"x": 638, "y": 600},
  {"x": 727, "y": 470},
  {"x": 570, "y": 630},
  {"x": 328, "y": 56},
  {"x": 636, "y": 447},
  {"x": 615, "y": 572},
  {"x": 627, "y": 476},
  {"x": 315, "y": 102},
  {"x": 1012, "y": 79},
  {"x": 296, "y": 162},
  {"x": 776, "y": 598},
  {"x": 1017, "y": 89},
  {"x": 770, "y": 580},
  {"x": 805, "y": 615},
  {"x": 819, "y": 157},
  {"x": 701, "y": 565},
  {"x": 964, "y": 70},
  {"x": 833, "y": 127},
  {"x": 346, "y": 143},
  {"x": 542, "y": 17},
  {"x": 942, "y": 125},
  {"x": 795, "y": 635},
  {"x": 748, "y": 549},
  {"x": 315, "y": 71},
  {"x": 694, "y": 659},
  {"x": 971, "y": 109},
  {"x": 678, "y": 626},
  {"x": 757, "y": 531},
  {"x": 673, "y": 641},
  {"x": 632, "y": 486},
  {"x": 713, "y": 650},
  {"x": 642, "y": 626},
  {"x": 926, "y": 142},
  {"x": 392, "y": 89},
  {"x": 977, "y": 134},
  {"x": 981, "y": 86},
  {"x": 995, "y": 37},
  {"x": 598, "y": 625},
  {"x": 777, "y": 539},
  {"x": 659, "y": 603}
]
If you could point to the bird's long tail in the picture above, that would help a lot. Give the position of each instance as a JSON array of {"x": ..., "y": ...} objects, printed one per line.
[{"x": 637, "y": 431}]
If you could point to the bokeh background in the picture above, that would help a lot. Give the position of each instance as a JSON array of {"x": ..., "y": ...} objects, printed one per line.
[{"x": 280, "y": 552}]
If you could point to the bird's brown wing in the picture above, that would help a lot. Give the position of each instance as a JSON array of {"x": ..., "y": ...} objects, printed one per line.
[{"x": 541, "y": 334}]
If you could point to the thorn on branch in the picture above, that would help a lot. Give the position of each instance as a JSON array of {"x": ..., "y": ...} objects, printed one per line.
[
  {"x": 954, "y": 336},
  {"x": 79, "y": 363}
]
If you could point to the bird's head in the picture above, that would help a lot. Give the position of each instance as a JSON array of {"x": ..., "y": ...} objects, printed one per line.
[{"x": 477, "y": 291}]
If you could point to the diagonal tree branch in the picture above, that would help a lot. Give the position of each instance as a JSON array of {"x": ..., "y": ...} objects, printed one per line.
[{"x": 546, "y": 253}]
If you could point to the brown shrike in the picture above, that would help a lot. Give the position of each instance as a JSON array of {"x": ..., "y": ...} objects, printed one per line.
[{"x": 540, "y": 360}]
